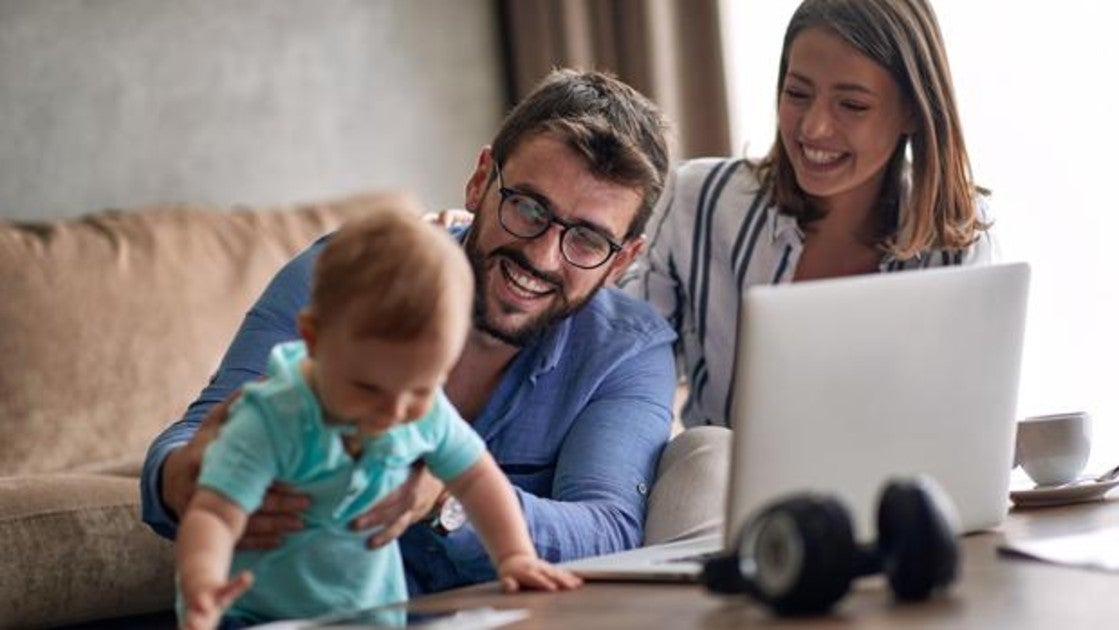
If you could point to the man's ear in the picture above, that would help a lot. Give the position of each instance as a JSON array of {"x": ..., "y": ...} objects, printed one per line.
[
  {"x": 308, "y": 330},
  {"x": 624, "y": 258},
  {"x": 479, "y": 179}
]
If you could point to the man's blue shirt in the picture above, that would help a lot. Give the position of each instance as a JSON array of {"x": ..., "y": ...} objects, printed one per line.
[{"x": 577, "y": 423}]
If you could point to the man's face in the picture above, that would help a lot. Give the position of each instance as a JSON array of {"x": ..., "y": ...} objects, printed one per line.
[{"x": 524, "y": 285}]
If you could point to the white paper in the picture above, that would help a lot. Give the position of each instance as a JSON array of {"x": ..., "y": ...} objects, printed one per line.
[
  {"x": 481, "y": 618},
  {"x": 1094, "y": 550}
]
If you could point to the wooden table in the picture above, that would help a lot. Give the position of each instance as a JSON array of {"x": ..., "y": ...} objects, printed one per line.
[{"x": 994, "y": 591}]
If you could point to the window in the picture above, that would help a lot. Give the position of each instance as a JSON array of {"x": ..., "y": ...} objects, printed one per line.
[{"x": 1040, "y": 112}]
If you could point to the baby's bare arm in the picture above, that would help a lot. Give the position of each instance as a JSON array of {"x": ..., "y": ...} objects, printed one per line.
[
  {"x": 493, "y": 509},
  {"x": 203, "y": 552}
]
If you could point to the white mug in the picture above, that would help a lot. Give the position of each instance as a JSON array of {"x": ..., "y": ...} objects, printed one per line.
[{"x": 1053, "y": 449}]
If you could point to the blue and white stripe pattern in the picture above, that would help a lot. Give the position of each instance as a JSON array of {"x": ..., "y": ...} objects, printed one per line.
[{"x": 714, "y": 233}]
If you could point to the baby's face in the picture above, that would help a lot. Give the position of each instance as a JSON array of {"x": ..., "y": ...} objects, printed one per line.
[{"x": 375, "y": 383}]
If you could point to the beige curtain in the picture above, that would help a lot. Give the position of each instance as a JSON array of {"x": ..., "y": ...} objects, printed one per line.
[{"x": 670, "y": 50}]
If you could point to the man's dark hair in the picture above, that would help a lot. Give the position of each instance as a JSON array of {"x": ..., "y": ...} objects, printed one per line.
[{"x": 619, "y": 132}]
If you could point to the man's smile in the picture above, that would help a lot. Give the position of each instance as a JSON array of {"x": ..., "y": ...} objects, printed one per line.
[{"x": 521, "y": 282}]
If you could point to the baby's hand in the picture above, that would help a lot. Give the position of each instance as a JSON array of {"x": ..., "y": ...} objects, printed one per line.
[
  {"x": 206, "y": 603},
  {"x": 529, "y": 571}
]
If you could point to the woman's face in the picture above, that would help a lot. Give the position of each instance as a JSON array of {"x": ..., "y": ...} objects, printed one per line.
[{"x": 840, "y": 116}]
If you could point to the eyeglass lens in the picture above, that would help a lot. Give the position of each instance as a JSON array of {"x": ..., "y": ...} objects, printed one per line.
[{"x": 528, "y": 218}]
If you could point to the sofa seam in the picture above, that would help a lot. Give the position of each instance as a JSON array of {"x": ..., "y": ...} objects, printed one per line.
[{"x": 53, "y": 513}]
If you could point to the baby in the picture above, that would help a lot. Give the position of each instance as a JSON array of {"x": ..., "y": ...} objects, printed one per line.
[{"x": 342, "y": 416}]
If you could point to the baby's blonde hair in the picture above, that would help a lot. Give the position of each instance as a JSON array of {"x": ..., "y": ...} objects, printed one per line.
[{"x": 403, "y": 272}]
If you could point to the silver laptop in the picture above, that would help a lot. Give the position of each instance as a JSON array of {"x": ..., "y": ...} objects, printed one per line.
[{"x": 840, "y": 384}]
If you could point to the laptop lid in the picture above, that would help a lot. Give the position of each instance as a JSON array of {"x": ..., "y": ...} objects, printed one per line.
[{"x": 840, "y": 384}]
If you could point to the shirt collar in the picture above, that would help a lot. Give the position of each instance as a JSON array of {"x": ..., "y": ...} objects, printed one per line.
[
  {"x": 784, "y": 227},
  {"x": 550, "y": 347}
]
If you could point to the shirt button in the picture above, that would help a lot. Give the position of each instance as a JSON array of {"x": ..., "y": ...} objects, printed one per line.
[{"x": 642, "y": 488}]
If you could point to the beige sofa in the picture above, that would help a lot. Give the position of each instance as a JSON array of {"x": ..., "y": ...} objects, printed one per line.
[{"x": 109, "y": 326}]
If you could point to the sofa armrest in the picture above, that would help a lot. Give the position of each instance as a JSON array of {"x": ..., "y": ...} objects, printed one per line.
[{"x": 74, "y": 549}]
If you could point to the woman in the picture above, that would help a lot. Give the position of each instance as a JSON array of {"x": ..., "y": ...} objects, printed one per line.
[{"x": 869, "y": 173}]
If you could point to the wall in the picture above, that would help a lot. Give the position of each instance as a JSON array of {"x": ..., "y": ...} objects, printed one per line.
[{"x": 115, "y": 103}]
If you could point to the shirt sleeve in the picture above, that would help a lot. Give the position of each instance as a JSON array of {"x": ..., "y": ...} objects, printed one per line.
[
  {"x": 605, "y": 468},
  {"x": 243, "y": 460},
  {"x": 457, "y": 447},
  {"x": 607, "y": 463},
  {"x": 270, "y": 321}
]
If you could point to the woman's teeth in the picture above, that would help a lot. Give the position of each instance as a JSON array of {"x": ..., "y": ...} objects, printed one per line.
[{"x": 821, "y": 157}]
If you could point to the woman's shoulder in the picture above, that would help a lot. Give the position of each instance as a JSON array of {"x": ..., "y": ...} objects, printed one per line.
[
  {"x": 982, "y": 200},
  {"x": 702, "y": 168},
  {"x": 982, "y": 248},
  {"x": 985, "y": 247},
  {"x": 716, "y": 178}
]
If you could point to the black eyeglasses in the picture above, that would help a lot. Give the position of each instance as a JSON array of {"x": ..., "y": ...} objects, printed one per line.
[{"x": 523, "y": 216}]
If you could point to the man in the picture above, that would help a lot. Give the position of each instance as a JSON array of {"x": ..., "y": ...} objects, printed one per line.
[{"x": 570, "y": 384}]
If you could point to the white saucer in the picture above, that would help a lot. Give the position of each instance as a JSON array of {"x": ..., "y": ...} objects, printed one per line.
[{"x": 1075, "y": 492}]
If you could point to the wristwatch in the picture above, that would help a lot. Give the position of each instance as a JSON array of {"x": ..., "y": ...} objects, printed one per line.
[{"x": 449, "y": 517}]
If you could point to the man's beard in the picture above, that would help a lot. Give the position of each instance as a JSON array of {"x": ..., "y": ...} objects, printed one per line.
[{"x": 529, "y": 331}]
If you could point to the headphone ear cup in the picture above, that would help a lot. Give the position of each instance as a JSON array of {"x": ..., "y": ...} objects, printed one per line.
[
  {"x": 723, "y": 574},
  {"x": 917, "y": 537},
  {"x": 803, "y": 550}
]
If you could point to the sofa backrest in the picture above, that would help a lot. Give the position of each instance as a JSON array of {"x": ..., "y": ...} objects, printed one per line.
[{"x": 112, "y": 323}]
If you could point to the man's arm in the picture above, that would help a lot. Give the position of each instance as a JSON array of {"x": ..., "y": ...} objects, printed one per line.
[
  {"x": 163, "y": 485},
  {"x": 492, "y": 507},
  {"x": 607, "y": 463},
  {"x": 605, "y": 469}
]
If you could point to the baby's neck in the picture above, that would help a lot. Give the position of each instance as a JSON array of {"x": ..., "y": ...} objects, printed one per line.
[{"x": 352, "y": 444}]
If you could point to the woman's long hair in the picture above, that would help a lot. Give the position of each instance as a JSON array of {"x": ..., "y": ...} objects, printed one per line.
[{"x": 903, "y": 37}]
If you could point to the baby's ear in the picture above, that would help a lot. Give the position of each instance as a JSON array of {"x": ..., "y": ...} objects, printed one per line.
[{"x": 307, "y": 329}]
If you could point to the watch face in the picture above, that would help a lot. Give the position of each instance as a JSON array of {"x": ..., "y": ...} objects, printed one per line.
[{"x": 451, "y": 515}]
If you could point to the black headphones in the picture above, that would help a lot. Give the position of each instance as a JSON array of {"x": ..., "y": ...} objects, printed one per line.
[{"x": 799, "y": 555}]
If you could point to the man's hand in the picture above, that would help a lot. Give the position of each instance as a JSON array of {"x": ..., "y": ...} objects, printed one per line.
[
  {"x": 280, "y": 511},
  {"x": 180, "y": 468},
  {"x": 528, "y": 571},
  {"x": 279, "y": 514},
  {"x": 412, "y": 501},
  {"x": 450, "y": 218}
]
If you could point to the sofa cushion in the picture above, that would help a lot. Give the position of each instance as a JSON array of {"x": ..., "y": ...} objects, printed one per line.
[
  {"x": 74, "y": 549},
  {"x": 110, "y": 324}
]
